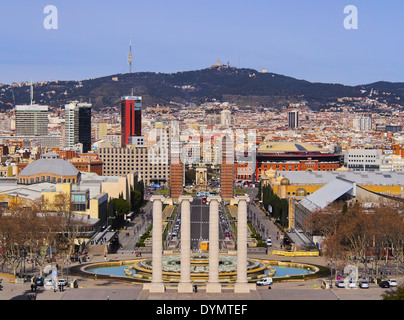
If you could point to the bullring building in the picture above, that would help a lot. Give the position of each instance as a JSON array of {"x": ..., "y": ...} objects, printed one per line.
[{"x": 295, "y": 156}]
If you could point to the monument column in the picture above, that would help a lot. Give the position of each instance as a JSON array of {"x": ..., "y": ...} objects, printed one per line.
[
  {"x": 242, "y": 285},
  {"x": 185, "y": 284},
  {"x": 213, "y": 285},
  {"x": 157, "y": 284}
]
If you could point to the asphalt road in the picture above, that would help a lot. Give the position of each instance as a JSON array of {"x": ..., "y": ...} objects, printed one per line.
[{"x": 200, "y": 223}]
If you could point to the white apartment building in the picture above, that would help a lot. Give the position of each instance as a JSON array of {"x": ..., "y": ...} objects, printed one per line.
[
  {"x": 363, "y": 159},
  {"x": 123, "y": 161},
  {"x": 31, "y": 120},
  {"x": 363, "y": 123},
  {"x": 225, "y": 118}
]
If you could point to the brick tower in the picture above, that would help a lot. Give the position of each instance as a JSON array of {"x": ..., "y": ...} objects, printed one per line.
[{"x": 227, "y": 169}]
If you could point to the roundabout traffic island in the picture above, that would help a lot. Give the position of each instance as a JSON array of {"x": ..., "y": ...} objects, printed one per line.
[{"x": 140, "y": 270}]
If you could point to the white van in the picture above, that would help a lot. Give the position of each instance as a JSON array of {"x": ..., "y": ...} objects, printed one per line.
[
  {"x": 265, "y": 282},
  {"x": 269, "y": 242}
]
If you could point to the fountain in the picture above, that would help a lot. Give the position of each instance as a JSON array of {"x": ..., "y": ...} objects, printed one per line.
[{"x": 141, "y": 269}]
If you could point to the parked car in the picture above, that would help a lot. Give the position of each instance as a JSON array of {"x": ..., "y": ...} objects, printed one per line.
[
  {"x": 62, "y": 282},
  {"x": 364, "y": 284},
  {"x": 384, "y": 284},
  {"x": 392, "y": 282},
  {"x": 48, "y": 282},
  {"x": 265, "y": 282},
  {"x": 340, "y": 284},
  {"x": 39, "y": 281},
  {"x": 352, "y": 284}
]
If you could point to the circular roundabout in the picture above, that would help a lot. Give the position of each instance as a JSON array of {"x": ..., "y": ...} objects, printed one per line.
[{"x": 140, "y": 270}]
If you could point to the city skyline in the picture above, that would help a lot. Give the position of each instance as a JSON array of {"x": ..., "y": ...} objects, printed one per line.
[{"x": 302, "y": 40}]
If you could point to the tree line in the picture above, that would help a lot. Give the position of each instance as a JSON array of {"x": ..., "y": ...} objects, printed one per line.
[
  {"x": 45, "y": 228},
  {"x": 278, "y": 208},
  {"x": 37, "y": 232},
  {"x": 355, "y": 232}
]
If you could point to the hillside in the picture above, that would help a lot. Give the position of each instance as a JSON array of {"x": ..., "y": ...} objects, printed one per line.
[{"x": 241, "y": 86}]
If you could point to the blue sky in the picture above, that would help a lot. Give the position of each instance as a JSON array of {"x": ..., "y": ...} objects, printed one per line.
[{"x": 305, "y": 39}]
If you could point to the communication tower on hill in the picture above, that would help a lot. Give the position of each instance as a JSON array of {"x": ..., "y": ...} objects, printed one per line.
[{"x": 130, "y": 56}]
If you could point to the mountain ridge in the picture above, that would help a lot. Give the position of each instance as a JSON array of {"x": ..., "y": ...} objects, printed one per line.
[{"x": 247, "y": 87}]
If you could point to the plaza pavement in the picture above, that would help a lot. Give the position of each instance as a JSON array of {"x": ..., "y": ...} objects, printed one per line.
[{"x": 91, "y": 289}]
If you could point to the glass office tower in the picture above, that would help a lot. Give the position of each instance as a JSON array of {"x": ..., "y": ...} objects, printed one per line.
[{"x": 78, "y": 125}]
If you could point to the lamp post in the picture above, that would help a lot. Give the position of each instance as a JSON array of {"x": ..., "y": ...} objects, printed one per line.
[
  {"x": 66, "y": 262},
  {"x": 331, "y": 264}
]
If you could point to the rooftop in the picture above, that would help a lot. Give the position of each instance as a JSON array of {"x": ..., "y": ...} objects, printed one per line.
[
  {"x": 327, "y": 194},
  {"x": 281, "y": 147},
  {"x": 51, "y": 165},
  {"x": 359, "y": 177}
]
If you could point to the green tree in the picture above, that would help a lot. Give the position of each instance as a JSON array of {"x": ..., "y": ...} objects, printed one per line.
[
  {"x": 136, "y": 200},
  {"x": 398, "y": 295},
  {"x": 118, "y": 208},
  {"x": 190, "y": 176},
  {"x": 122, "y": 206}
]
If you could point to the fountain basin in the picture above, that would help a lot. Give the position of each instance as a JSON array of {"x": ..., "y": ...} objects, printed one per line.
[{"x": 141, "y": 269}]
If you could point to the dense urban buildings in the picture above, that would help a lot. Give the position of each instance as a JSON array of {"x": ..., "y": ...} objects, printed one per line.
[{"x": 309, "y": 158}]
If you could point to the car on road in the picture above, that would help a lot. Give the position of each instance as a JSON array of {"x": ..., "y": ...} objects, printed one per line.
[
  {"x": 39, "y": 281},
  {"x": 48, "y": 282},
  {"x": 364, "y": 284},
  {"x": 384, "y": 284},
  {"x": 62, "y": 282},
  {"x": 265, "y": 282},
  {"x": 269, "y": 243},
  {"x": 392, "y": 282},
  {"x": 340, "y": 284}
]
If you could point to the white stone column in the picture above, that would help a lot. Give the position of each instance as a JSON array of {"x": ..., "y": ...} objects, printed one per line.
[
  {"x": 185, "y": 284},
  {"x": 242, "y": 285},
  {"x": 213, "y": 285},
  {"x": 157, "y": 284}
]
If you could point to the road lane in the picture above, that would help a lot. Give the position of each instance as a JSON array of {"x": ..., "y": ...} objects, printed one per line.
[{"x": 200, "y": 223}]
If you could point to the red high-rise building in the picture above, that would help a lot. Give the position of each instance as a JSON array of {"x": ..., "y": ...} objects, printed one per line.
[{"x": 131, "y": 118}]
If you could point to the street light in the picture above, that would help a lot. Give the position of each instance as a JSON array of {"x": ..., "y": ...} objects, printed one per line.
[
  {"x": 66, "y": 262},
  {"x": 331, "y": 264}
]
